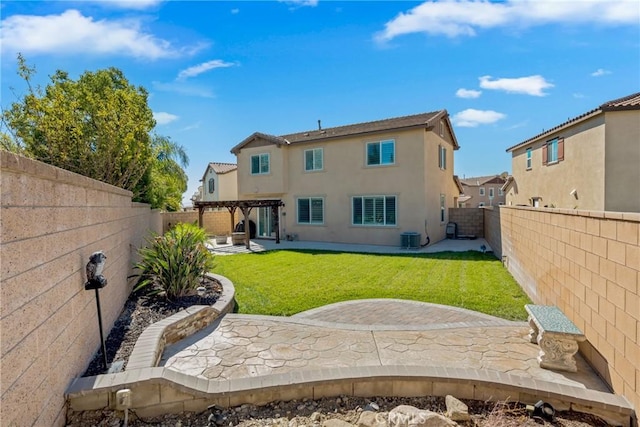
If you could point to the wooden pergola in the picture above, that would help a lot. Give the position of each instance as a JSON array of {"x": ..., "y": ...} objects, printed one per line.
[{"x": 245, "y": 207}]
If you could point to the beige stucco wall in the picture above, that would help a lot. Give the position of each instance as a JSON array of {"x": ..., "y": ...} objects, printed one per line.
[
  {"x": 228, "y": 185},
  {"x": 588, "y": 264},
  {"x": 225, "y": 188},
  {"x": 622, "y": 161},
  {"x": 52, "y": 220},
  {"x": 476, "y": 198},
  {"x": 414, "y": 179},
  {"x": 583, "y": 169},
  {"x": 267, "y": 185}
]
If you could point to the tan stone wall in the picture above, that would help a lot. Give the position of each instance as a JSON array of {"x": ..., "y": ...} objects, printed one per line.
[
  {"x": 52, "y": 220},
  {"x": 587, "y": 264},
  {"x": 470, "y": 221},
  {"x": 215, "y": 222}
]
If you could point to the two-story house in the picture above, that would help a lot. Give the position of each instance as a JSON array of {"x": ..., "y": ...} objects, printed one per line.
[
  {"x": 590, "y": 162},
  {"x": 362, "y": 183},
  {"x": 219, "y": 182},
  {"x": 482, "y": 191}
]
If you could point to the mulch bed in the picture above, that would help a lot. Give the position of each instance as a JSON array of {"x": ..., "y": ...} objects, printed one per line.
[{"x": 140, "y": 311}]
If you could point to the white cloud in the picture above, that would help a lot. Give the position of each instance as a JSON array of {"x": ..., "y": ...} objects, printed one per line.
[
  {"x": 471, "y": 118},
  {"x": 235, "y": 11},
  {"x": 131, "y": 4},
  {"x": 183, "y": 88},
  {"x": 163, "y": 118},
  {"x": 465, "y": 17},
  {"x": 300, "y": 3},
  {"x": 72, "y": 33},
  {"x": 600, "y": 72},
  {"x": 468, "y": 93},
  {"x": 531, "y": 85},
  {"x": 204, "y": 67}
]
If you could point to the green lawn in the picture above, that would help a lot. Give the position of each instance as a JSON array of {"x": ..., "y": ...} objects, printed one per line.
[{"x": 288, "y": 282}]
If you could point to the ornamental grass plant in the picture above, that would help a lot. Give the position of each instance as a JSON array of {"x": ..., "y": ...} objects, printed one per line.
[{"x": 174, "y": 263}]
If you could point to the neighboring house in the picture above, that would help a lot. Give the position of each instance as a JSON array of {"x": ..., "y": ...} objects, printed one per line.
[
  {"x": 482, "y": 191},
  {"x": 590, "y": 162},
  {"x": 220, "y": 182},
  {"x": 363, "y": 183}
]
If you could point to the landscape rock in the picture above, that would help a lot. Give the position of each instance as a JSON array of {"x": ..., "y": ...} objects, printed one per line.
[
  {"x": 373, "y": 419},
  {"x": 410, "y": 416},
  {"x": 336, "y": 423},
  {"x": 456, "y": 410}
]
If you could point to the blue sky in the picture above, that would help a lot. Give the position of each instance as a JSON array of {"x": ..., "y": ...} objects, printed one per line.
[{"x": 218, "y": 71}]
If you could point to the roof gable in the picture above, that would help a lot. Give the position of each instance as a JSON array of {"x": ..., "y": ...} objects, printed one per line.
[
  {"x": 629, "y": 102},
  {"x": 219, "y": 168},
  {"x": 481, "y": 180}
]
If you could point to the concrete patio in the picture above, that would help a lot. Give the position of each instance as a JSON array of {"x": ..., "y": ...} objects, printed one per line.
[{"x": 260, "y": 245}]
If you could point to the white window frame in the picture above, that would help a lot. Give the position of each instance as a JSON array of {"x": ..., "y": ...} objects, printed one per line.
[
  {"x": 211, "y": 185},
  {"x": 310, "y": 201},
  {"x": 442, "y": 157},
  {"x": 260, "y": 164},
  {"x": 376, "y": 223},
  {"x": 481, "y": 191},
  {"x": 316, "y": 153},
  {"x": 481, "y": 204},
  {"x": 491, "y": 193},
  {"x": 380, "y": 144},
  {"x": 528, "y": 156},
  {"x": 500, "y": 192}
]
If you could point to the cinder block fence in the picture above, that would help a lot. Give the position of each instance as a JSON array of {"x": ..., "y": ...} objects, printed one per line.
[{"x": 51, "y": 221}]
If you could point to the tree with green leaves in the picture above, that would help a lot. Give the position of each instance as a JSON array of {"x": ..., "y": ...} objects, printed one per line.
[{"x": 99, "y": 126}]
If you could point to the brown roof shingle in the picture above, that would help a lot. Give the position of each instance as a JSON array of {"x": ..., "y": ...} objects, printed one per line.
[
  {"x": 404, "y": 122},
  {"x": 222, "y": 168},
  {"x": 629, "y": 102}
]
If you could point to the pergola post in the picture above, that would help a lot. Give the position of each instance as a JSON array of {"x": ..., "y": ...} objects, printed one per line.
[
  {"x": 246, "y": 210},
  {"x": 232, "y": 211},
  {"x": 200, "y": 216},
  {"x": 276, "y": 222}
]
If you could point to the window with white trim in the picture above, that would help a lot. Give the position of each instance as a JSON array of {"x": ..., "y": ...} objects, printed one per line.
[
  {"x": 481, "y": 190},
  {"x": 381, "y": 153},
  {"x": 491, "y": 192},
  {"x": 529, "y": 162},
  {"x": 260, "y": 164},
  {"x": 481, "y": 204},
  {"x": 212, "y": 185},
  {"x": 374, "y": 210},
  {"x": 311, "y": 210},
  {"x": 313, "y": 159},
  {"x": 442, "y": 157},
  {"x": 443, "y": 215},
  {"x": 500, "y": 192}
]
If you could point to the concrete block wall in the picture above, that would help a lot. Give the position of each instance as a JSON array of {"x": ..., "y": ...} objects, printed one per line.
[
  {"x": 51, "y": 221},
  {"x": 470, "y": 221},
  {"x": 215, "y": 222},
  {"x": 588, "y": 264}
]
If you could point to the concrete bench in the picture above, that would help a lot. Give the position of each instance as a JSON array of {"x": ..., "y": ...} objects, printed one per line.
[{"x": 556, "y": 335}]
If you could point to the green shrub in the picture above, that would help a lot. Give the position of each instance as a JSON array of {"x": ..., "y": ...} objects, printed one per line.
[{"x": 174, "y": 263}]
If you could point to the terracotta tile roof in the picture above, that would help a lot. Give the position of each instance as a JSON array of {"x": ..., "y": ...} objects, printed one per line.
[
  {"x": 404, "y": 122},
  {"x": 479, "y": 180},
  {"x": 629, "y": 102},
  {"x": 424, "y": 119},
  {"x": 222, "y": 168}
]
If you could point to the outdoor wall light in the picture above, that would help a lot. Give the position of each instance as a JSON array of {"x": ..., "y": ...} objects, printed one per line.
[
  {"x": 95, "y": 280},
  {"x": 574, "y": 193}
]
